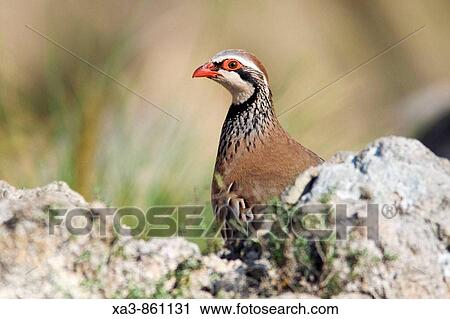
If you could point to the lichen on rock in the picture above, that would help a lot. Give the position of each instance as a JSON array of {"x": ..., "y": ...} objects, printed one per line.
[{"x": 410, "y": 259}]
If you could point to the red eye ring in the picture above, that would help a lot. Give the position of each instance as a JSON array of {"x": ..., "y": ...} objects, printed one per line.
[{"x": 231, "y": 65}]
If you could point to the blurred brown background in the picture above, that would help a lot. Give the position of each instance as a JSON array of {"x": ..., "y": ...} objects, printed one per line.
[{"x": 61, "y": 119}]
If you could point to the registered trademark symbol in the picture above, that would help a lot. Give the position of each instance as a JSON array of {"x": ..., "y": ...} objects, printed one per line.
[{"x": 389, "y": 211}]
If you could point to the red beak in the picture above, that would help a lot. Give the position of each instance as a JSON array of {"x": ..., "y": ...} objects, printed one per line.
[{"x": 205, "y": 71}]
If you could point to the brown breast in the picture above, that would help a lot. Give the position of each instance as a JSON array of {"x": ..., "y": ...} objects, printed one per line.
[{"x": 262, "y": 171}]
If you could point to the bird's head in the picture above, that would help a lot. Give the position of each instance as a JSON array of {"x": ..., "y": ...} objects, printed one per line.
[{"x": 238, "y": 71}]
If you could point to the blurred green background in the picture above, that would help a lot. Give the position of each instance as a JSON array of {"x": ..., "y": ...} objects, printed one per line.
[{"x": 62, "y": 120}]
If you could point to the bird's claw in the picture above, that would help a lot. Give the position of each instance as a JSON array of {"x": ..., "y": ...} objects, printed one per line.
[{"x": 237, "y": 205}]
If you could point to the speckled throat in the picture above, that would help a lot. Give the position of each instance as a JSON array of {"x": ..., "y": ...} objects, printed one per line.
[{"x": 245, "y": 123}]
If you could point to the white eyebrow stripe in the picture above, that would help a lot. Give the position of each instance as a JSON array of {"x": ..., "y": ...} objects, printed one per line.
[
  {"x": 221, "y": 56},
  {"x": 245, "y": 61}
]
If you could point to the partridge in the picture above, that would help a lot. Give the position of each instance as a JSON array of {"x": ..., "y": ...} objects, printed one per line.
[{"x": 256, "y": 157}]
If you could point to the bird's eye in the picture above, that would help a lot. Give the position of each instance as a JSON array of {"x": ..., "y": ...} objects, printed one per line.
[{"x": 231, "y": 65}]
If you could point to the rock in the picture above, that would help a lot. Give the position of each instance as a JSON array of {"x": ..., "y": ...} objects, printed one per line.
[
  {"x": 36, "y": 264},
  {"x": 410, "y": 259}
]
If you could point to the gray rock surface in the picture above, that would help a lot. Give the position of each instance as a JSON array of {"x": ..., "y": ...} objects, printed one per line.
[
  {"x": 35, "y": 264},
  {"x": 411, "y": 259}
]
